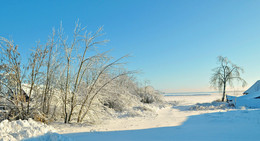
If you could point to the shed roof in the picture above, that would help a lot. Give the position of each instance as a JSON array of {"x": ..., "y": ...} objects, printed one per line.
[{"x": 253, "y": 88}]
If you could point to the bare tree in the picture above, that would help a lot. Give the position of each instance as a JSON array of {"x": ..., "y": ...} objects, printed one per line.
[
  {"x": 82, "y": 67},
  {"x": 89, "y": 41},
  {"x": 69, "y": 52},
  {"x": 51, "y": 69},
  {"x": 82, "y": 41},
  {"x": 225, "y": 74},
  {"x": 10, "y": 58},
  {"x": 71, "y": 73},
  {"x": 36, "y": 62},
  {"x": 95, "y": 85},
  {"x": 14, "y": 77}
]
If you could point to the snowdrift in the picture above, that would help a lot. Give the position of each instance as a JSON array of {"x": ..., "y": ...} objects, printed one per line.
[
  {"x": 24, "y": 129},
  {"x": 251, "y": 99}
]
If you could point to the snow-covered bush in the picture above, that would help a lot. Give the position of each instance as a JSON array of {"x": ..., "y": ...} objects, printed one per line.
[
  {"x": 211, "y": 106},
  {"x": 149, "y": 95},
  {"x": 122, "y": 97}
]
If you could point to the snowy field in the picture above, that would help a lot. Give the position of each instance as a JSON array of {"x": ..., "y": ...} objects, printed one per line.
[{"x": 182, "y": 119}]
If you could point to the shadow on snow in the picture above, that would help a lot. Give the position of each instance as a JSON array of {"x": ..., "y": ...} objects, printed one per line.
[{"x": 225, "y": 126}]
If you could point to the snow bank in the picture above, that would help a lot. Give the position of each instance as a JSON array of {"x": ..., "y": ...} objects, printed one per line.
[
  {"x": 23, "y": 129},
  {"x": 50, "y": 137},
  {"x": 251, "y": 100}
]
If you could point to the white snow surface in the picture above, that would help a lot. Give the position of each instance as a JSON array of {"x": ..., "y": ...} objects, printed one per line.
[
  {"x": 173, "y": 114},
  {"x": 24, "y": 129},
  {"x": 251, "y": 100},
  {"x": 184, "y": 118},
  {"x": 179, "y": 121}
]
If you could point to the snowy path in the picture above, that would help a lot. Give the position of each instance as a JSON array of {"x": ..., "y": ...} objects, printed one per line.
[
  {"x": 174, "y": 123},
  {"x": 226, "y": 126},
  {"x": 179, "y": 124},
  {"x": 165, "y": 117}
]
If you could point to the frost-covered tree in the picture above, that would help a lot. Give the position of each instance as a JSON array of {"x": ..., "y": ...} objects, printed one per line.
[
  {"x": 84, "y": 64},
  {"x": 225, "y": 74},
  {"x": 12, "y": 77},
  {"x": 69, "y": 79}
]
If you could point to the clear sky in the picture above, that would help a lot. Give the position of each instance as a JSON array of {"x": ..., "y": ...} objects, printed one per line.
[{"x": 173, "y": 42}]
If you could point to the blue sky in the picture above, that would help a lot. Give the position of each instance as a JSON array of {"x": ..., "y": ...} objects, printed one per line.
[{"x": 173, "y": 42}]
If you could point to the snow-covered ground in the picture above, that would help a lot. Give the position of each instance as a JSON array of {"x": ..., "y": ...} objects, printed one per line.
[
  {"x": 179, "y": 121},
  {"x": 22, "y": 129},
  {"x": 182, "y": 119},
  {"x": 221, "y": 126},
  {"x": 173, "y": 114}
]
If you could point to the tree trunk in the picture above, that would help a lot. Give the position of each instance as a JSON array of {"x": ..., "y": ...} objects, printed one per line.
[
  {"x": 66, "y": 90},
  {"x": 30, "y": 93},
  {"x": 224, "y": 92}
]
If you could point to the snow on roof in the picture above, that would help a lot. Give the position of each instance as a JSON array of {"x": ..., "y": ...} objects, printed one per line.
[
  {"x": 253, "y": 88},
  {"x": 251, "y": 99}
]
